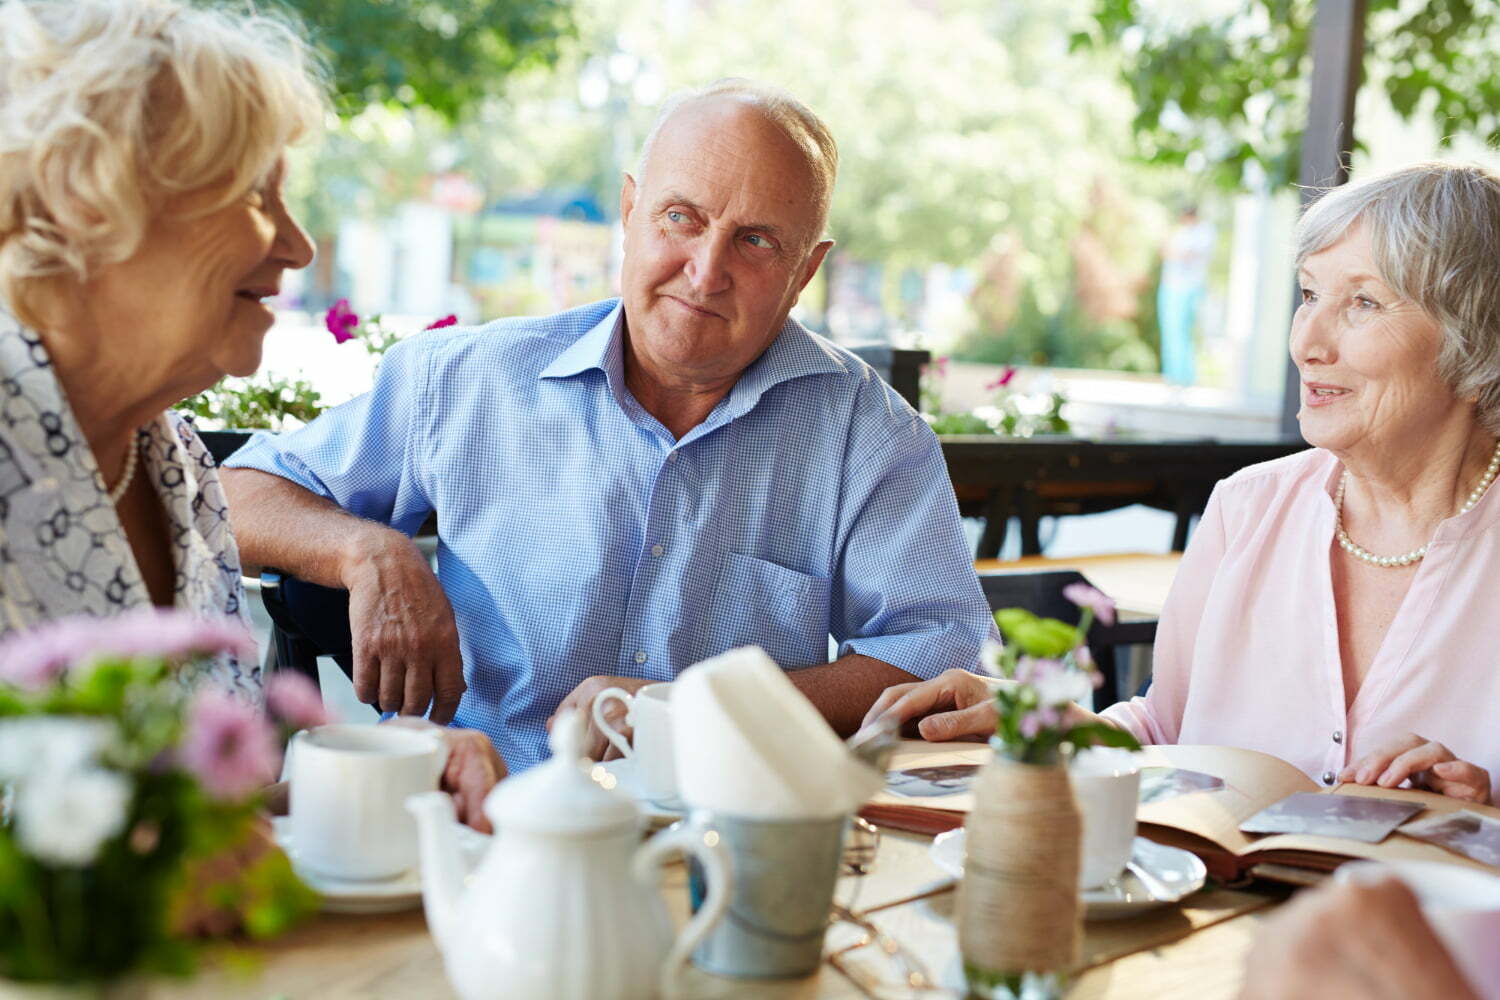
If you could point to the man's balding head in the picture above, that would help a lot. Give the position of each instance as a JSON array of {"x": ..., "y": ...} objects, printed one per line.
[{"x": 793, "y": 119}]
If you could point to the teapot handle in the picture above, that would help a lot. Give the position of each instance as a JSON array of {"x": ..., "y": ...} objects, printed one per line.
[{"x": 691, "y": 839}]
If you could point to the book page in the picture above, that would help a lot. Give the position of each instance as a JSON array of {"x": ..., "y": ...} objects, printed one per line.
[{"x": 1252, "y": 781}]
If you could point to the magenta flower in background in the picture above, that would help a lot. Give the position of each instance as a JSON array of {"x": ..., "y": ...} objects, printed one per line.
[
  {"x": 38, "y": 656},
  {"x": 228, "y": 746},
  {"x": 438, "y": 324},
  {"x": 295, "y": 700},
  {"x": 341, "y": 321},
  {"x": 1086, "y": 596},
  {"x": 1003, "y": 381}
]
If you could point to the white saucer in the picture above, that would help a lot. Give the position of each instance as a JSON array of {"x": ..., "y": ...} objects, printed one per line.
[
  {"x": 1179, "y": 871},
  {"x": 402, "y": 892},
  {"x": 621, "y": 773}
]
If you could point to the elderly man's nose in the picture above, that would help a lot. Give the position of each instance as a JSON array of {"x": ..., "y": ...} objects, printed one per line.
[{"x": 707, "y": 267}]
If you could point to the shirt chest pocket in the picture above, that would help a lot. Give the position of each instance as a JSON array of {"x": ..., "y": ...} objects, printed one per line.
[{"x": 762, "y": 603}]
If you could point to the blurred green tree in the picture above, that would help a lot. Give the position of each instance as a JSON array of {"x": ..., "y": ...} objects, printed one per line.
[
  {"x": 446, "y": 55},
  {"x": 1219, "y": 86}
]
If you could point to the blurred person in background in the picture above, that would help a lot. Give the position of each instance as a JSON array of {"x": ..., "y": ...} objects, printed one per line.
[{"x": 1186, "y": 254}]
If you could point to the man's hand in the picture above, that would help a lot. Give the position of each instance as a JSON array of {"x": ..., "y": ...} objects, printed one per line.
[
  {"x": 581, "y": 698},
  {"x": 406, "y": 651},
  {"x": 1427, "y": 763},
  {"x": 474, "y": 767},
  {"x": 1348, "y": 941},
  {"x": 953, "y": 705}
]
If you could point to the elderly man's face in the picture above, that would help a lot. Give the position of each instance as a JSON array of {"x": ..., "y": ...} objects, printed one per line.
[
  {"x": 720, "y": 238},
  {"x": 1367, "y": 357}
]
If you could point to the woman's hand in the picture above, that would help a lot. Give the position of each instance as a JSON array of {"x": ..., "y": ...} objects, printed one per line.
[
  {"x": 956, "y": 705},
  {"x": 1427, "y": 763},
  {"x": 474, "y": 767},
  {"x": 1351, "y": 941}
]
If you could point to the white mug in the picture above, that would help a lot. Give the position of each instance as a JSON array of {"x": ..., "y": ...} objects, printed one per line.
[
  {"x": 349, "y": 784},
  {"x": 1461, "y": 904},
  {"x": 648, "y": 713},
  {"x": 1107, "y": 785}
]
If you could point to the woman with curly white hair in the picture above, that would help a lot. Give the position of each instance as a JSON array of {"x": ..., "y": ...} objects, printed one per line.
[
  {"x": 142, "y": 226},
  {"x": 1336, "y": 607}
]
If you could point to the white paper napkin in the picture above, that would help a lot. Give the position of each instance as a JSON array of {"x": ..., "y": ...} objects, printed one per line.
[{"x": 748, "y": 743}]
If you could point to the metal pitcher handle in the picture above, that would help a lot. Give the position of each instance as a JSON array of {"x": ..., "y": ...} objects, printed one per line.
[
  {"x": 694, "y": 840},
  {"x": 610, "y": 732}
]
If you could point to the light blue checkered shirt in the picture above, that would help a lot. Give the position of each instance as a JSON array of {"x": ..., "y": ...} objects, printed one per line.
[{"x": 577, "y": 537}]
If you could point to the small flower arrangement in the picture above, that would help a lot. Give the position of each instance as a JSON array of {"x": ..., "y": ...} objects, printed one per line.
[
  {"x": 345, "y": 325},
  {"x": 1047, "y": 664},
  {"x": 128, "y": 805}
]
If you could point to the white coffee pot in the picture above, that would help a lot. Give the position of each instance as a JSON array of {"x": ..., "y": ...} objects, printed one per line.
[{"x": 565, "y": 902}]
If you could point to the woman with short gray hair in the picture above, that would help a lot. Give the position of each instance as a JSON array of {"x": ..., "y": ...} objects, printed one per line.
[{"x": 1336, "y": 607}]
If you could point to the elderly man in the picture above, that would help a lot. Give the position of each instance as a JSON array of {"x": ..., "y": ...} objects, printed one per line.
[{"x": 631, "y": 486}]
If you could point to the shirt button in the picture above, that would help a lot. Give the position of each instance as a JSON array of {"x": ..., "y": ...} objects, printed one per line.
[
  {"x": 640, "y": 656},
  {"x": 671, "y": 456},
  {"x": 1338, "y": 736},
  {"x": 1328, "y": 777},
  {"x": 658, "y": 549}
]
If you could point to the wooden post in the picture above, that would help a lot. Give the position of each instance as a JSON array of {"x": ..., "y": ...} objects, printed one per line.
[{"x": 1338, "y": 44}]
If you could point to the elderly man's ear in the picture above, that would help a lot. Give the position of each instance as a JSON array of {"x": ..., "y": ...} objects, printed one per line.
[
  {"x": 627, "y": 199},
  {"x": 814, "y": 261}
]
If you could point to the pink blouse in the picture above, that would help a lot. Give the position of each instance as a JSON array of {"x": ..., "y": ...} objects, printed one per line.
[{"x": 1247, "y": 653}]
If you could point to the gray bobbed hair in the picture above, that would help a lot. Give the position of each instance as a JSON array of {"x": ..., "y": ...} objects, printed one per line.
[{"x": 1435, "y": 232}]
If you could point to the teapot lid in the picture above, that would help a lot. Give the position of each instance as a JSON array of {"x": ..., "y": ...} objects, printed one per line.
[{"x": 558, "y": 796}]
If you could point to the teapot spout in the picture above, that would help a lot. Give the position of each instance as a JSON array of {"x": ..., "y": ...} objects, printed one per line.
[{"x": 442, "y": 867}]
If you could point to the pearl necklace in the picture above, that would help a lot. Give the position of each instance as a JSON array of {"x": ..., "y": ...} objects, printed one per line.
[
  {"x": 1415, "y": 555},
  {"x": 131, "y": 461}
]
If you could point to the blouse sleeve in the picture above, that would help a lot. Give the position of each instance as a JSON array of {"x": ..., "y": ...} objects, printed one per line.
[{"x": 1157, "y": 717}]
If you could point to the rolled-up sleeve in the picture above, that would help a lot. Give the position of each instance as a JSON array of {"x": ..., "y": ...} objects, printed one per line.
[
  {"x": 365, "y": 455},
  {"x": 1157, "y": 717},
  {"x": 905, "y": 591}
]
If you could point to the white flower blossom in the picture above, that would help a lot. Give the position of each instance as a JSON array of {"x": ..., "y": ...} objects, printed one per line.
[
  {"x": 989, "y": 658},
  {"x": 1062, "y": 685},
  {"x": 63, "y": 819},
  {"x": 48, "y": 745}
]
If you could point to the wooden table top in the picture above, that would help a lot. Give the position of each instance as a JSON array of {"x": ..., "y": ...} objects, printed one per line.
[
  {"x": 1138, "y": 581},
  {"x": 1192, "y": 951}
]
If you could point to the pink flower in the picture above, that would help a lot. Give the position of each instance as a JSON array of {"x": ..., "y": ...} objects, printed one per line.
[
  {"x": 1003, "y": 381},
  {"x": 229, "y": 746},
  {"x": 1086, "y": 596},
  {"x": 941, "y": 364},
  {"x": 295, "y": 700},
  {"x": 40, "y": 655},
  {"x": 1032, "y": 723},
  {"x": 438, "y": 324},
  {"x": 341, "y": 321}
]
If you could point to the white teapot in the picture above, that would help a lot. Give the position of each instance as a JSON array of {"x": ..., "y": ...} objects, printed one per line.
[{"x": 565, "y": 902}]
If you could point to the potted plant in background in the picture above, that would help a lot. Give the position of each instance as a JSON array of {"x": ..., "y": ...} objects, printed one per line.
[
  {"x": 130, "y": 807},
  {"x": 1018, "y": 910},
  {"x": 236, "y": 407},
  {"x": 1012, "y": 412}
]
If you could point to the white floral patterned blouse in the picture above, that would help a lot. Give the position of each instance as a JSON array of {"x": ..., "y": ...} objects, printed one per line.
[{"x": 62, "y": 549}]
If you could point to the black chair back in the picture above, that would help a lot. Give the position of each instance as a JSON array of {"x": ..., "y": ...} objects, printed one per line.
[{"x": 308, "y": 621}]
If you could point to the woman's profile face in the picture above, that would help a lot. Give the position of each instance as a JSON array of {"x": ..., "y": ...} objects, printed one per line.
[
  {"x": 1367, "y": 357},
  {"x": 192, "y": 292}
]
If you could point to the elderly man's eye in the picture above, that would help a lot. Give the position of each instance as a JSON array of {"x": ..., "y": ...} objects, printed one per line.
[
  {"x": 756, "y": 239},
  {"x": 676, "y": 216}
]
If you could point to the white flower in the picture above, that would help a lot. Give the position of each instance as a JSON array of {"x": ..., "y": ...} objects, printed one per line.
[
  {"x": 1062, "y": 685},
  {"x": 50, "y": 745},
  {"x": 63, "y": 819},
  {"x": 989, "y": 658}
]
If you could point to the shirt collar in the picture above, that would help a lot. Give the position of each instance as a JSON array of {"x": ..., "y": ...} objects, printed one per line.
[{"x": 599, "y": 348}]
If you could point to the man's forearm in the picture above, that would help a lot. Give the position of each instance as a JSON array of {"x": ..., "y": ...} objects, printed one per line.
[
  {"x": 845, "y": 689},
  {"x": 278, "y": 523}
]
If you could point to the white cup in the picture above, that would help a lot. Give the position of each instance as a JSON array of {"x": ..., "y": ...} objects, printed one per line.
[
  {"x": 1462, "y": 905},
  {"x": 348, "y": 789},
  {"x": 1107, "y": 785},
  {"x": 649, "y": 715}
]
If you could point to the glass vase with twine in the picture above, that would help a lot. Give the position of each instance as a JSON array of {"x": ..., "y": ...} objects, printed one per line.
[{"x": 1019, "y": 919}]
